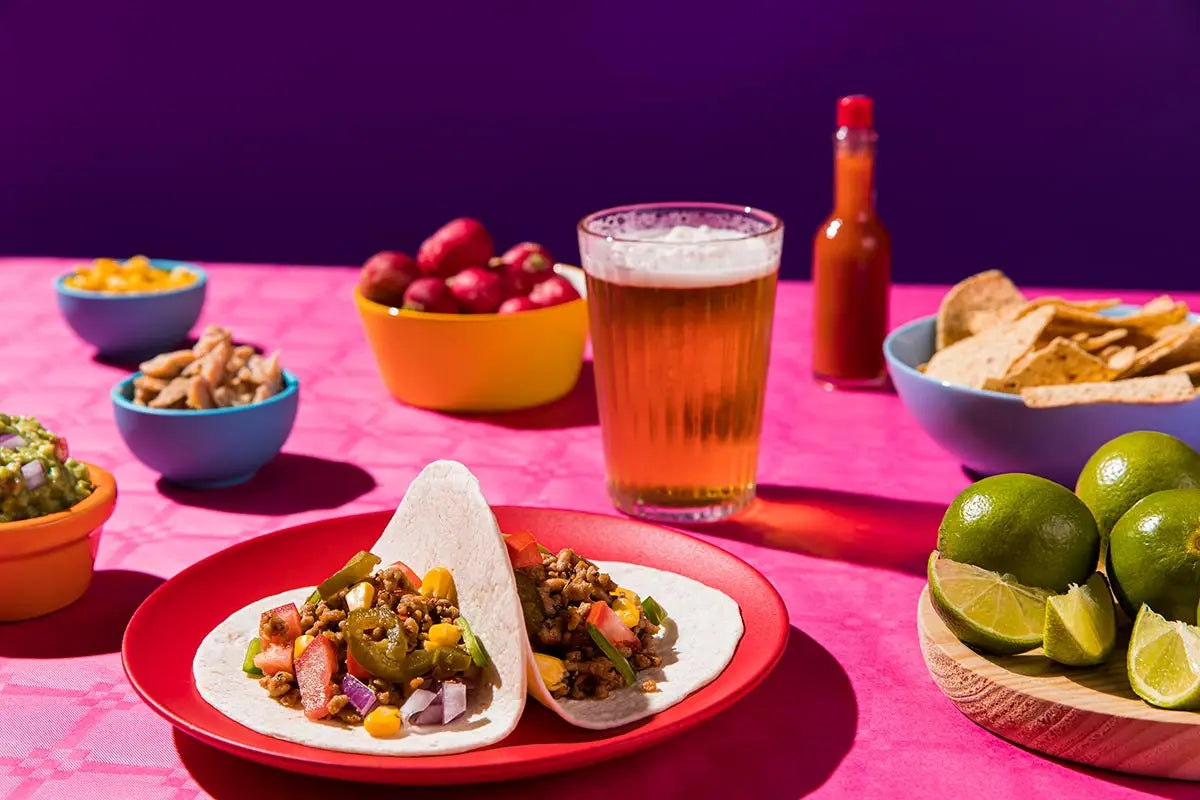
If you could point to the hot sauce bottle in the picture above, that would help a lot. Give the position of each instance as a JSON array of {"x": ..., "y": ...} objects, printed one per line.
[{"x": 852, "y": 257}]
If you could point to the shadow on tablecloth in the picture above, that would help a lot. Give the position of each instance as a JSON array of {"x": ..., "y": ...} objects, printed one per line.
[
  {"x": 575, "y": 410},
  {"x": 289, "y": 484},
  {"x": 859, "y": 528},
  {"x": 133, "y": 365},
  {"x": 92, "y": 625},
  {"x": 784, "y": 740}
]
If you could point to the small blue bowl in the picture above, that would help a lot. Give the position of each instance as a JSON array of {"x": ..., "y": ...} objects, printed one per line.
[
  {"x": 136, "y": 325},
  {"x": 994, "y": 432},
  {"x": 208, "y": 449}
]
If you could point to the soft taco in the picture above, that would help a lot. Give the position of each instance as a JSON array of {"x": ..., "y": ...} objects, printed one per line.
[
  {"x": 610, "y": 643},
  {"x": 409, "y": 649}
]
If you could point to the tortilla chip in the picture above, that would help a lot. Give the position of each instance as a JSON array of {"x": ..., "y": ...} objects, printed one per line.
[
  {"x": 1122, "y": 359},
  {"x": 1103, "y": 340},
  {"x": 975, "y": 305},
  {"x": 1156, "y": 389},
  {"x": 1182, "y": 347},
  {"x": 1163, "y": 302},
  {"x": 1111, "y": 351},
  {"x": 990, "y": 354},
  {"x": 1062, "y": 361},
  {"x": 1192, "y": 370},
  {"x": 1079, "y": 305}
]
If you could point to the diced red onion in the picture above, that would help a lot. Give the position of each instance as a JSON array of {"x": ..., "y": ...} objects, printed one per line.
[
  {"x": 431, "y": 715},
  {"x": 11, "y": 440},
  {"x": 416, "y": 703},
  {"x": 454, "y": 701},
  {"x": 361, "y": 696},
  {"x": 34, "y": 475}
]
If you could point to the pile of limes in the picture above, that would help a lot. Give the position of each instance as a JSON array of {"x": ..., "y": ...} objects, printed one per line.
[{"x": 1017, "y": 559}]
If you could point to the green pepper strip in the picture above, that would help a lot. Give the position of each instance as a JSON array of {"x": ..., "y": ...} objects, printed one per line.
[
  {"x": 357, "y": 568},
  {"x": 654, "y": 612},
  {"x": 313, "y": 598},
  {"x": 248, "y": 665},
  {"x": 474, "y": 646},
  {"x": 614, "y": 655},
  {"x": 387, "y": 659},
  {"x": 531, "y": 603}
]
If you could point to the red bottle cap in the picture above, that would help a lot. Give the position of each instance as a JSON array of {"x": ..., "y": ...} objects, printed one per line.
[{"x": 855, "y": 111}]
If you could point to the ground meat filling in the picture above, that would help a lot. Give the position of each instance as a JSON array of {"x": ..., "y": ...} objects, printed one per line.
[
  {"x": 567, "y": 585},
  {"x": 417, "y": 613}
]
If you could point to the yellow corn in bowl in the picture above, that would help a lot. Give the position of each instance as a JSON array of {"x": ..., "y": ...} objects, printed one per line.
[{"x": 479, "y": 362}]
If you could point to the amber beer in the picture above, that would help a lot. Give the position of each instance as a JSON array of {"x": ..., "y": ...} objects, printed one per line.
[{"x": 680, "y": 348}]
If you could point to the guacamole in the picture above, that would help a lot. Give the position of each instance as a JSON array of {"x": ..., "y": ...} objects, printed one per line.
[{"x": 36, "y": 475}]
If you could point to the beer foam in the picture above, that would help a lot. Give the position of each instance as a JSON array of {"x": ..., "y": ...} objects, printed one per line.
[{"x": 683, "y": 256}]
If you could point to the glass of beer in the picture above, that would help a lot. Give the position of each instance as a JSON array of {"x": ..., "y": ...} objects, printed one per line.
[{"x": 681, "y": 298}]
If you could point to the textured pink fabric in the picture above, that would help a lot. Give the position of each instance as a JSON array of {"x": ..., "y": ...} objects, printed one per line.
[{"x": 852, "y": 493}]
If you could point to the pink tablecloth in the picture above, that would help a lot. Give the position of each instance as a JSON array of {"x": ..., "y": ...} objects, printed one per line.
[{"x": 851, "y": 497}]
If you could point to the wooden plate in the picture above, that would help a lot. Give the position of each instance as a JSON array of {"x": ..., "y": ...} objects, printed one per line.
[{"x": 1086, "y": 715}]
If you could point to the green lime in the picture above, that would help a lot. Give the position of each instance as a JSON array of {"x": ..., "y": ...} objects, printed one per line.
[
  {"x": 1024, "y": 525},
  {"x": 1081, "y": 625},
  {"x": 989, "y": 611},
  {"x": 1133, "y": 466},
  {"x": 1162, "y": 661},
  {"x": 1154, "y": 555}
]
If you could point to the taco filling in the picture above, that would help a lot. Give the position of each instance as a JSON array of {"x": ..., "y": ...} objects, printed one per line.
[
  {"x": 371, "y": 647},
  {"x": 589, "y": 635}
]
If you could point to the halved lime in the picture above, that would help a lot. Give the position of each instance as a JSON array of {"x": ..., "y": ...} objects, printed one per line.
[
  {"x": 1081, "y": 625},
  {"x": 984, "y": 609},
  {"x": 1164, "y": 661}
]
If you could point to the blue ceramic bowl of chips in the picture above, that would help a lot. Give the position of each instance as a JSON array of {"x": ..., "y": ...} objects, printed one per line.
[
  {"x": 135, "y": 325},
  {"x": 208, "y": 449},
  {"x": 995, "y": 432}
]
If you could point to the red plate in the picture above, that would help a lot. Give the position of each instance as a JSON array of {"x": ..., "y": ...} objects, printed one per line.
[{"x": 165, "y": 631}]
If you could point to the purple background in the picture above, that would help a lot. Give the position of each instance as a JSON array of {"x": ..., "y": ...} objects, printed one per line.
[{"x": 1052, "y": 139}]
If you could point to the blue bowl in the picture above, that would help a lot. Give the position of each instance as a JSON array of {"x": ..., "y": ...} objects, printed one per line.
[
  {"x": 207, "y": 449},
  {"x": 994, "y": 432},
  {"x": 136, "y": 325}
]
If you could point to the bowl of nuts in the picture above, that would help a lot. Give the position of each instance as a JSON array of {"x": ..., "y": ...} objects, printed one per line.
[
  {"x": 135, "y": 308},
  {"x": 209, "y": 416}
]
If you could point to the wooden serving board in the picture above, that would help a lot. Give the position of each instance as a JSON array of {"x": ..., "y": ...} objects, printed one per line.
[{"x": 1087, "y": 715}]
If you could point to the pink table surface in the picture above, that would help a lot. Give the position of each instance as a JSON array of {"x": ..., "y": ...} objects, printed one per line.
[{"x": 851, "y": 496}]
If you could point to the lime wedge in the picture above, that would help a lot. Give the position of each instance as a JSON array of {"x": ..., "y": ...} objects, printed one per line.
[
  {"x": 1081, "y": 625},
  {"x": 1164, "y": 661},
  {"x": 984, "y": 609}
]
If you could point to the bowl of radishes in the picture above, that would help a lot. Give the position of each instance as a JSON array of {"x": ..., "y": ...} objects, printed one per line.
[{"x": 459, "y": 328}]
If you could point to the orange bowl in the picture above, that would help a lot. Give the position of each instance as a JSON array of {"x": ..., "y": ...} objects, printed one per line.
[
  {"x": 46, "y": 562},
  {"x": 478, "y": 362}
]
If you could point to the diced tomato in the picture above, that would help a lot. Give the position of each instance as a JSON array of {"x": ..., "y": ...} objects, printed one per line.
[
  {"x": 523, "y": 549},
  {"x": 274, "y": 658},
  {"x": 413, "y": 577},
  {"x": 268, "y": 632},
  {"x": 616, "y": 631},
  {"x": 356, "y": 669},
  {"x": 314, "y": 674},
  {"x": 61, "y": 449}
]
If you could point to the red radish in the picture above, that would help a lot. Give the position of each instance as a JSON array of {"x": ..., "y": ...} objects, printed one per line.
[
  {"x": 514, "y": 305},
  {"x": 458, "y": 244},
  {"x": 553, "y": 291},
  {"x": 477, "y": 290},
  {"x": 523, "y": 550},
  {"x": 314, "y": 674},
  {"x": 432, "y": 295},
  {"x": 608, "y": 623},
  {"x": 274, "y": 658},
  {"x": 386, "y": 276},
  {"x": 280, "y": 625},
  {"x": 524, "y": 265}
]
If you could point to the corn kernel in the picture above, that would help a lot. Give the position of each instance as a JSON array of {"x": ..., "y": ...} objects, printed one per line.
[
  {"x": 438, "y": 582},
  {"x": 442, "y": 634},
  {"x": 361, "y": 595},
  {"x": 552, "y": 670},
  {"x": 382, "y": 722},
  {"x": 299, "y": 645},
  {"x": 626, "y": 607}
]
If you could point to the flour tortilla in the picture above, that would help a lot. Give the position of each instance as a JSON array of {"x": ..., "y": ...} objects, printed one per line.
[
  {"x": 445, "y": 521},
  {"x": 696, "y": 642}
]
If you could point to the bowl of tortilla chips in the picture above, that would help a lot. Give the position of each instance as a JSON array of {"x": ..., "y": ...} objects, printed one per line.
[{"x": 1009, "y": 383}]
